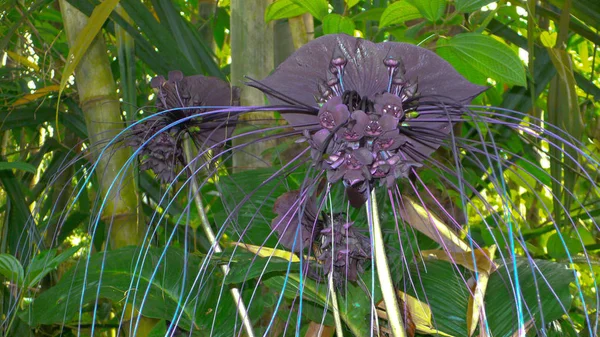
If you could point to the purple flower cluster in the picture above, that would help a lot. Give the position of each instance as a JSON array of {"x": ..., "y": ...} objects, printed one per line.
[
  {"x": 344, "y": 249},
  {"x": 380, "y": 109},
  {"x": 177, "y": 98}
]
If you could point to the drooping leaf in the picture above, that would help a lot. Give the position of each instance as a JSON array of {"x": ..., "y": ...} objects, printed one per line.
[
  {"x": 467, "y": 6},
  {"x": 283, "y": 9},
  {"x": 334, "y": 23},
  {"x": 17, "y": 165},
  {"x": 11, "y": 269},
  {"x": 398, "y": 13},
  {"x": 85, "y": 39},
  {"x": 486, "y": 55},
  {"x": 431, "y": 10},
  {"x": 317, "y": 8}
]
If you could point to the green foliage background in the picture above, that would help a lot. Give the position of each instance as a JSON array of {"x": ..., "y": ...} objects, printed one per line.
[{"x": 537, "y": 57}]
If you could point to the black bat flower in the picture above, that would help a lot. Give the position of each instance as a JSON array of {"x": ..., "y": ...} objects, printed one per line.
[
  {"x": 182, "y": 97},
  {"x": 379, "y": 109},
  {"x": 339, "y": 247}
]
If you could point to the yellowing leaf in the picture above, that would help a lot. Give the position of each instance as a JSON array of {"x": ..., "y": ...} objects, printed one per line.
[
  {"x": 427, "y": 223},
  {"x": 85, "y": 38},
  {"x": 36, "y": 95},
  {"x": 23, "y": 60},
  {"x": 475, "y": 314},
  {"x": 266, "y": 251},
  {"x": 483, "y": 258},
  {"x": 548, "y": 39},
  {"x": 420, "y": 314}
]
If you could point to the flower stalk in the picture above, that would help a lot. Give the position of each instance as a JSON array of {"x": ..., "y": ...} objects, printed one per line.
[
  {"x": 204, "y": 223},
  {"x": 383, "y": 271}
]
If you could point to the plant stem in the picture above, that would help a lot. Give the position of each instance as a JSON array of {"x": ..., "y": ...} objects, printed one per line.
[
  {"x": 235, "y": 292},
  {"x": 383, "y": 271},
  {"x": 334, "y": 304}
]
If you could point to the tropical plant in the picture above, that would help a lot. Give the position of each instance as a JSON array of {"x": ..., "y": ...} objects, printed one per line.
[{"x": 299, "y": 167}]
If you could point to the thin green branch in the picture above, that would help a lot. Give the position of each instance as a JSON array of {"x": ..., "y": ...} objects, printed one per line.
[{"x": 204, "y": 223}]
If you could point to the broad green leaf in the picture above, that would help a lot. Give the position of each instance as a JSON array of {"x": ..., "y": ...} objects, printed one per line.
[
  {"x": 370, "y": 14},
  {"x": 252, "y": 195},
  {"x": 113, "y": 275},
  {"x": 244, "y": 266},
  {"x": 544, "y": 290},
  {"x": 486, "y": 55},
  {"x": 283, "y": 9},
  {"x": 11, "y": 269},
  {"x": 334, "y": 23},
  {"x": 354, "y": 305},
  {"x": 467, "y": 6},
  {"x": 398, "y": 13},
  {"x": 431, "y": 10},
  {"x": 558, "y": 245},
  {"x": 441, "y": 285},
  {"x": 17, "y": 165},
  {"x": 317, "y": 8}
]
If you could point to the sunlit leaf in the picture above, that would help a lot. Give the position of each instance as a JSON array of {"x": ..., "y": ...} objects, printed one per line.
[
  {"x": 398, "y": 13},
  {"x": 486, "y": 55},
  {"x": 431, "y": 10},
  {"x": 283, "y": 9},
  {"x": 468, "y": 6},
  {"x": 334, "y": 23},
  {"x": 317, "y": 8}
]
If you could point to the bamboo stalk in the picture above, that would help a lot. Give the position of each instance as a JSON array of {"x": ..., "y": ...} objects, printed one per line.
[
  {"x": 251, "y": 55},
  {"x": 210, "y": 234},
  {"x": 102, "y": 112},
  {"x": 383, "y": 272}
]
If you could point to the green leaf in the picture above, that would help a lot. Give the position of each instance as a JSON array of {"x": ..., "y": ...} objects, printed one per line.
[
  {"x": 45, "y": 262},
  {"x": 17, "y": 165},
  {"x": 556, "y": 246},
  {"x": 351, "y": 3},
  {"x": 317, "y": 8},
  {"x": 354, "y": 305},
  {"x": 442, "y": 287},
  {"x": 467, "y": 6},
  {"x": 370, "y": 14},
  {"x": 544, "y": 290},
  {"x": 431, "y": 10},
  {"x": 246, "y": 266},
  {"x": 334, "y": 23},
  {"x": 485, "y": 55},
  {"x": 283, "y": 9},
  {"x": 113, "y": 275},
  {"x": 159, "y": 330},
  {"x": 11, "y": 268},
  {"x": 398, "y": 13}
]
